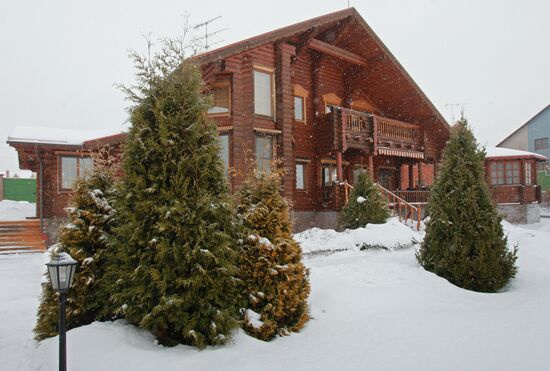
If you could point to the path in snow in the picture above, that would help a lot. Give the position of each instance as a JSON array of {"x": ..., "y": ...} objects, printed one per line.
[{"x": 371, "y": 310}]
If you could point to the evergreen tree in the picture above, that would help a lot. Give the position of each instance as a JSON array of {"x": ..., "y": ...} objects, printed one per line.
[
  {"x": 174, "y": 270},
  {"x": 464, "y": 240},
  {"x": 85, "y": 239},
  {"x": 366, "y": 205},
  {"x": 276, "y": 283}
]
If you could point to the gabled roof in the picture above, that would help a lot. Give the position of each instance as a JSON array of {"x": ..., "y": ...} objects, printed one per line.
[
  {"x": 301, "y": 27},
  {"x": 522, "y": 126}
]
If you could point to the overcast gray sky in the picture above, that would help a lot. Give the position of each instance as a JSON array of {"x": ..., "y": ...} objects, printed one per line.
[{"x": 59, "y": 59}]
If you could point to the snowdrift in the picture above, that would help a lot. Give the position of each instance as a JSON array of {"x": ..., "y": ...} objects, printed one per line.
[{"x": 391, "y": 235}]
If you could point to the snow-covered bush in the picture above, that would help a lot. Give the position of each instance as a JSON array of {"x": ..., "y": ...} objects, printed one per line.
[
  {"x": 366, "y": 205},
  {"x": 464, "y": 240},
  {"x": 84, "y": 237},
  {"x": 174, "y": 272},
  {"x": 276, "y": 283}
]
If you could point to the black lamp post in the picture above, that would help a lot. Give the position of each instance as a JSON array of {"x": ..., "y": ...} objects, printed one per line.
[{"x": 61, "y": 270}]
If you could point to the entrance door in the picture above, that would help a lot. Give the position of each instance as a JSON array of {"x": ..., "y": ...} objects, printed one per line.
[{"x": 386, "y": 178}]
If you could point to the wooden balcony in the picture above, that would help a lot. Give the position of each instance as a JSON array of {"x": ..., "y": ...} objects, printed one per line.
[{"x": 374, "y": 134}]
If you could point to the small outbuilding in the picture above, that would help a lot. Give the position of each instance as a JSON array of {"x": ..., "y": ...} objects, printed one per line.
[{"x": 512, "y": 178}]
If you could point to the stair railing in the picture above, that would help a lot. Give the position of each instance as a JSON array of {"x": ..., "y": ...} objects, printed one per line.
[{"x": 401, "y": 205}]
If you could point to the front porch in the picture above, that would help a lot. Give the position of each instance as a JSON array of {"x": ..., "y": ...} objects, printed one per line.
[{"x": 392, "y": 151}]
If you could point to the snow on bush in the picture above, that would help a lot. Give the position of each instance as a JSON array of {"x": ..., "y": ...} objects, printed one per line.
[
  {"x": 16, "y": 210},
  {"x": 391, "y": 235}
]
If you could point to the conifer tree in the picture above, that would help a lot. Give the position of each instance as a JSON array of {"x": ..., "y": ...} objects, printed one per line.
[
  {"x": 464, "y": 242},
  {"x": 366, "y": 205},
  {"x": 276, "y": 283},
  {"x": 85, "y": 239},
  {"x": 175, "y": 242}
]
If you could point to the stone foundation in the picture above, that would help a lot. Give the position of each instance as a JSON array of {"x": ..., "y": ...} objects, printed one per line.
[
  {"x": 321, "y": 219},
  {"x": 520, "y": 214}
]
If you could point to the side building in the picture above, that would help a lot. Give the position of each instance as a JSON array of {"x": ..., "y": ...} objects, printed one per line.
[{"x": 534, "y": 136}]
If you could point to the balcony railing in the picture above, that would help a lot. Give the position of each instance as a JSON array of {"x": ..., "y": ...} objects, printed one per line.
[
  {"x": 361, "y": 130},
  {"x": 397, "y": 131}
]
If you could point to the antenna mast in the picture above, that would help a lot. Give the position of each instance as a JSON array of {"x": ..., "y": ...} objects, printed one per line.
[
  {"x": 206, "y": 34},
  {"x": 451, "y": 107}
]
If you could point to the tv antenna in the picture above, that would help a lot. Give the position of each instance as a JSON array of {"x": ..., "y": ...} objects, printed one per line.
[
  {"x": 206, "y": 34},
  {"x": 451, "y": 107}
]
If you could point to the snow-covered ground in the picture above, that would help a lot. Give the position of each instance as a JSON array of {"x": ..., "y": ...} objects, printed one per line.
[
  {"x": 391, "y": 235},
  {"x": 371, "y": 309},
  {"x": 16, "y": 210}
]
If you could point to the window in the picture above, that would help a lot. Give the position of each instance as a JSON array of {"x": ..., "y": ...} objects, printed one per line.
[
  {"x": 264, "y": 153},
  {"x": 73, "y": 167},
  {"x": 224, "y": 152},
  {"x": 541, "y": 143},
  {"x": 263, "y": 93},
  {"x": 301, "y": 176},
  {"x": 329, "y": 175},
  {"x": 505, "y": 172},
  {"x": 299, "y": 109},
  {"x": 512, "y": 172},
  {"x": 221, "y": 98},
  {"x": 528, "y": 172}
]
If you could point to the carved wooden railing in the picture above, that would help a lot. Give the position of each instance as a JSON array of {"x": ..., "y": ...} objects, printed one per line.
[
  {"x": 356, "y": 128},
  {"x": 390, "y": 130},
  {"x": 402, "y": 208},
  {"x": 414, "y": 196}
]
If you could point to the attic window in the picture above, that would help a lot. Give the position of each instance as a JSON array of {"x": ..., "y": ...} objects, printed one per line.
[{"x": 221, "y": 96}]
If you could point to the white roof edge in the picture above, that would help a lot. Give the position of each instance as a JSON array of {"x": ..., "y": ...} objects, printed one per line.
[
  {"x": 495, "y": 152},
  {"x": 68, "y": 137}
]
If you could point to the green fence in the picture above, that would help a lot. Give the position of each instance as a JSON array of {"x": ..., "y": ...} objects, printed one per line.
[
  {"x": 543, "y": 180},
  {"x": 18, "y": 189}
]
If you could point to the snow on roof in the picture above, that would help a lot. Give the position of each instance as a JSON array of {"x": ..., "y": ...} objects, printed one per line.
[
  {"x": 493, "y": 152},
  {"x": 70, "y": 137}
]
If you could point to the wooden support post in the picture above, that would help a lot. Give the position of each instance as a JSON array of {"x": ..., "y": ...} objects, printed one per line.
[
  {"x": 411, "y": 176},
  {"x": 420, "y": 175},
  {"x": 339, "y": 171},
  {"x": 371, "y": 168}
]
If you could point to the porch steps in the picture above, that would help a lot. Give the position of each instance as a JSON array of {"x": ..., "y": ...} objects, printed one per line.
[{"x": 21, "y": 236}]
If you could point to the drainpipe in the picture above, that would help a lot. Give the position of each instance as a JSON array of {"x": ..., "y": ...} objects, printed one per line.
[{"x": 41, "y": 179}]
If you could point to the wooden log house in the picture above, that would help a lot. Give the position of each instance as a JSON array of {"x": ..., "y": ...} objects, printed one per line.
[{"x": 325, "y": 97}]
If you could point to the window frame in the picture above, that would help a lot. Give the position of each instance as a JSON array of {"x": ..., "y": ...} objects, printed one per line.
[
  {"x": 60, "y": 157},
  {"x": 303, "y": 163},
  {"x": 303, "y": 99},
  {"x": 541, "y": 144},
  {"x": 273, "y": 151},
  {"x": 228, "y": 165},
  {"x": 528, "y": 172},
  {"x": 502, "y": 173},
  {"x": 332, "y": 172},
  {"x": 222, "y": 85},
  {"x": 271, "y": 73}
]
